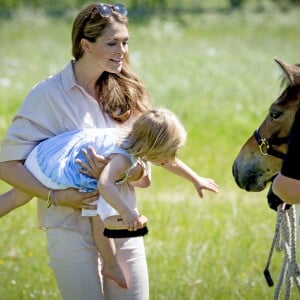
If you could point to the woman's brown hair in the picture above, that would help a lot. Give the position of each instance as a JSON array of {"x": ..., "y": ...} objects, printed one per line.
[{"x": 120, "y": 94}]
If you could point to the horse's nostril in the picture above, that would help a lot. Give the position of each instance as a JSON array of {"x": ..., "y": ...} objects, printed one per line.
[{"x": 250, "y": 181}]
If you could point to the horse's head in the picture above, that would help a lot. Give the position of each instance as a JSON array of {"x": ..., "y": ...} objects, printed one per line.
[{"x": 260, "y": 158}]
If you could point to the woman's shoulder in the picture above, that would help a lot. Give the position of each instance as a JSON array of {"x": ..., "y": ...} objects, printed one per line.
[
  {"x": 40, "y": 93},
  {"x": 49, "y": 85}
]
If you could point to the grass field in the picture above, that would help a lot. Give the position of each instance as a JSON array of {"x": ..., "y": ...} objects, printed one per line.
[{"x": 216, "y": 71}]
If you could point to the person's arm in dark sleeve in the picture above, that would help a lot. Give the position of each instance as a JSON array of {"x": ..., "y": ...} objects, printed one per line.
[{"x": 287, "y": 184}]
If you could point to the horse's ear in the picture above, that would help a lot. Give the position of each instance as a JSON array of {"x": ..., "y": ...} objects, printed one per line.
[{"x": 292, "y": 71}]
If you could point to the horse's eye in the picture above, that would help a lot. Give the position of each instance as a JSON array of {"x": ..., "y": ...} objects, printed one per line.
[{"x": 275, "y": 114}]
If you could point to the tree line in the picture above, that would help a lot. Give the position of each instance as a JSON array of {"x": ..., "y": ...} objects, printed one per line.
[{"x": 136, "y": 7}]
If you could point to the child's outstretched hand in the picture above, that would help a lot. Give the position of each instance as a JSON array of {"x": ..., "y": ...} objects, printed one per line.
[{"x": 205, "y": 184}]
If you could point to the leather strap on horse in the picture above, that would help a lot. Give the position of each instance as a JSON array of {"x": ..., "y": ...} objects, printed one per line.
[
  {"x": 266, "y": 146},
  {"x": 285, "y": 238}
]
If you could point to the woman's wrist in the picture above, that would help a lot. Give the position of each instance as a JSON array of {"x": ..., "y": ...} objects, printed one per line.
[
  {"x": 143, "y": 168},
  {"x": 142, "y": 171}
]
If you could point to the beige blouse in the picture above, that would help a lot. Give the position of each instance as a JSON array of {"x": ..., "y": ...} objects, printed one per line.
[{"x": 55, "y": 105}]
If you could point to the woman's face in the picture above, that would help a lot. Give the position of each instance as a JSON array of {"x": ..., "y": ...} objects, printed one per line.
[{"x": 109, "y": 50}]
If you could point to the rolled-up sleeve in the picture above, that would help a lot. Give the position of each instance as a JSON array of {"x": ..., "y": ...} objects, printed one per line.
[
  {"x": 20, "y": 139},
  {"x": 33, "y": 123}
]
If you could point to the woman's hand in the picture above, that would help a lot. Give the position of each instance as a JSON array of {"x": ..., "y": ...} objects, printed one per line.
[
  {"x": 139, "y": 176},
  {"x": 73, "y": 198},
  {"x": 136, "y": 173},
  {"x": 95, "y": 163}
]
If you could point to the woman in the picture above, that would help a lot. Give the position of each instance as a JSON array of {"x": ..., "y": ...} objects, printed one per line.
[{"x": 96, "y": 89}]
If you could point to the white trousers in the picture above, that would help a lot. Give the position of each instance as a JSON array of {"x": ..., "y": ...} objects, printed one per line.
[{"x": 76, "y": 266}]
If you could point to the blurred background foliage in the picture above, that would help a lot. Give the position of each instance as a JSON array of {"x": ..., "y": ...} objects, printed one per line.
[{"x": 140, "y": 8}]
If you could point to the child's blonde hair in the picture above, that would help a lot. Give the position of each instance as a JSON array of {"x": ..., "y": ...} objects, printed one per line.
[{"x": 156, "y": 134}]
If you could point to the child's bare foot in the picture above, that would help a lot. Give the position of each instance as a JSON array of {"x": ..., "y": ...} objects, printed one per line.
[{"x": 116, "y": 274}]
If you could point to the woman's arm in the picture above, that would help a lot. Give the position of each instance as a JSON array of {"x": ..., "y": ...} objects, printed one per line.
[
  {"x": 179, "y": 168},
  {"x": 15, "y": 174}
]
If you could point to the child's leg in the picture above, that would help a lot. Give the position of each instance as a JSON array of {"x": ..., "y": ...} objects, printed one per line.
[
  {"x": 11, "y": 200},
  {"x": 106, "y": 247},
  {"x": 112, "y": 219}
]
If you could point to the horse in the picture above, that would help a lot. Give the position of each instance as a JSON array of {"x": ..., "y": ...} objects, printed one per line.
[{"x": 260, "y": 159}]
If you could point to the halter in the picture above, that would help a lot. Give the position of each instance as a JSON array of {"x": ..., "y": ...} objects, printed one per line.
[{"x": 266, "y": 146}]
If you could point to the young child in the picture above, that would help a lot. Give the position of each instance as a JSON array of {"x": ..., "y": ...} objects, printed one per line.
[{"x": 155, "y": 136}]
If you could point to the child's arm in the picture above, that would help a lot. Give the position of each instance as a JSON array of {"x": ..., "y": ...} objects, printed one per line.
[
  {"x": 181, "y": 169},
  {"x": 114, "y": 170},
  {"x": 12, "y": 199}
]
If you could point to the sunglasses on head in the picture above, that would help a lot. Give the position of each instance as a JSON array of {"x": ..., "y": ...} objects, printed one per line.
[{"x": 106, "y": 10}]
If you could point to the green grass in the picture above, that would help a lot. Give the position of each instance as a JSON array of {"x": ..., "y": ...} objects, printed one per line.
[{"x": 216, "y": 71}]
